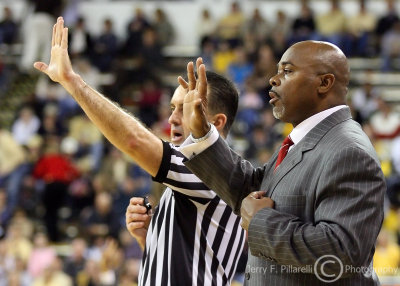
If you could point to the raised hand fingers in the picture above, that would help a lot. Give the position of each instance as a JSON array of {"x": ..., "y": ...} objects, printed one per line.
[
  {"x": 202, "y": 87},
  {"x": 64, "y": 40},
  {"x": 183, "y": 82},
  {"x": 199, "y": 62},
  {"x": 59, "y": 31},
  {"x": 53, "y": 38},
  {"x": 193, "y": 83},
  {"x": 191, "y": 76}
]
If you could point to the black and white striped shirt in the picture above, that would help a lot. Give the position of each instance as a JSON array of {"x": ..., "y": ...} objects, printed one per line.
[{"x": 194, "y": 238}]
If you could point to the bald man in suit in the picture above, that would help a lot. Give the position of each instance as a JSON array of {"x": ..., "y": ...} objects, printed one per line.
[{"x": 314, "y": 218}]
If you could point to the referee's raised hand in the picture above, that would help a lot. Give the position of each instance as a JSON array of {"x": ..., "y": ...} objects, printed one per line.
[
  {"x": 137, "y": 220},
  {"x": 59, "y": 69}
]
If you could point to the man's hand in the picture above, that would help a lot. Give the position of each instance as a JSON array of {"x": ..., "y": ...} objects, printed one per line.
[
  {"x": 195, "y": 102},
  {"x": 59, "y": 68},
  {"x": 253, "y": 203},
  {"x": 137, "y": 220}
]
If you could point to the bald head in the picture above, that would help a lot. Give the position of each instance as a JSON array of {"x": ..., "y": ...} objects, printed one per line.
[
  {"x": 311, "y": 75},
  {"x": 326, "y": 58}
]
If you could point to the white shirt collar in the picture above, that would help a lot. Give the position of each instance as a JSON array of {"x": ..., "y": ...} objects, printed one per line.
[{"x": 305, "y": 126}]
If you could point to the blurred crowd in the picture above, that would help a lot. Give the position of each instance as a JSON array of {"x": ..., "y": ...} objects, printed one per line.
[{"x": 64, "y": 189}]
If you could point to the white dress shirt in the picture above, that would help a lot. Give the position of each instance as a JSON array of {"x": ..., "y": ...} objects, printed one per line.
[{"x": 190, "y": 149}]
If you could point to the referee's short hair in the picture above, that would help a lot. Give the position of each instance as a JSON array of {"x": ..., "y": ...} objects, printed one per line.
[{"x": 223, "y": 97}]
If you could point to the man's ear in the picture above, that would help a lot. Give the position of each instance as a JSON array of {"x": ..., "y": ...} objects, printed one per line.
[
  {"x": 327, "y": 82},
  {"x": 219, "y": 121}
]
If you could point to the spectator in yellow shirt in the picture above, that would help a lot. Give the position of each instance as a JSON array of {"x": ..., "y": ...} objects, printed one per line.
[{"x": 387, "y": 255}]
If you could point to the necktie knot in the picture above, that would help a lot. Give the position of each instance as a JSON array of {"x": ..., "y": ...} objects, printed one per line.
[
  {"x": 284, "y": 150},
  {"x": 287, "y": 141}
]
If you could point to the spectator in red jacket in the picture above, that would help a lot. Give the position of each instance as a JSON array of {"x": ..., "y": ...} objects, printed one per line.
[{"x": 57, "y": 171}]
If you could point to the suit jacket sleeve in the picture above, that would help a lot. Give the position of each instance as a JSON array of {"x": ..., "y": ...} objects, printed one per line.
[
  {"x": 347, "y": 216},
  {"x": 233, "y": 178}
]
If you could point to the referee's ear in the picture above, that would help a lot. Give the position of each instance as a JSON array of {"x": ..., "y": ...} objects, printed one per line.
[{"x": 219, "y": 121}]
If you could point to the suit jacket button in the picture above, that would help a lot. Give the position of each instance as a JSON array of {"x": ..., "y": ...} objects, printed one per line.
[{"x": 247, "y": 275}]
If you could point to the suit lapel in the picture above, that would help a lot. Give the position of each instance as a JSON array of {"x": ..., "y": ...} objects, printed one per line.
[{"x": 308, "y": 143}]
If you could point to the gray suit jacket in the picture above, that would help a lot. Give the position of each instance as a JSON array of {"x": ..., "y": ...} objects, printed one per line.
[{"x": 328, "y": 195}]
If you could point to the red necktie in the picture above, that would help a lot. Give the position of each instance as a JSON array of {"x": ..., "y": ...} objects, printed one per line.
[{"x": 284, "y": 150}]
